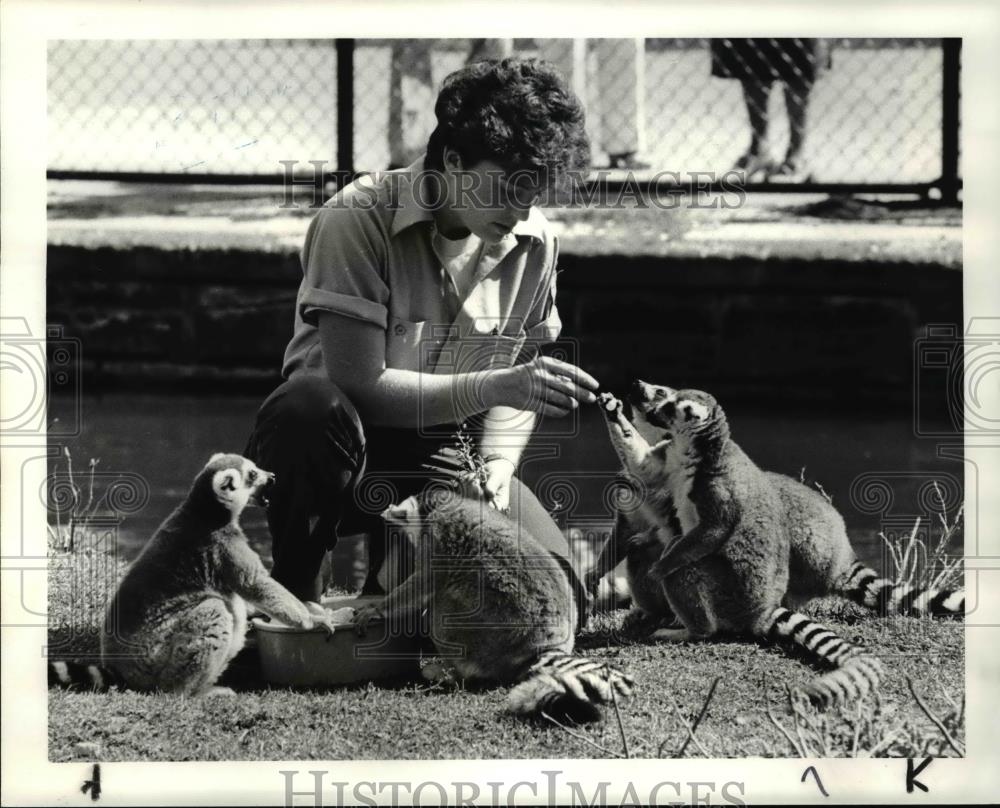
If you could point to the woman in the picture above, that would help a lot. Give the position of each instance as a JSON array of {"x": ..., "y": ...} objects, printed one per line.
[
  {"x": 758, "y": 64},
  {"x": 425, "y": 295}
]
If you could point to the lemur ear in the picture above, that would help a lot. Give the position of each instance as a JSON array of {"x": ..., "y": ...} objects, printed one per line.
[
  {"x": 225, "y": 481},
  {"x": 216, "y": 456}
]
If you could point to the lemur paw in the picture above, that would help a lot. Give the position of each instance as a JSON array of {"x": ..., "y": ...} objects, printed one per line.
[
  {"x": 329, "y": 620},
  {"x": 343, "y": 616},
  {"x": 613, "y": 410},
  {"x": 609, "y": 404},
  {"x": 314, "y": 609},
  {"x": 437, "y": 671},
  {"x": 364, "y": 616},
  {"x": 672, "y": 635}
]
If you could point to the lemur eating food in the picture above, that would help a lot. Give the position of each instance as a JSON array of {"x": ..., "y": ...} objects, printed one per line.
[
  {"x": 720, "y": 545},
  {"x": 822, "y": 560},
  {"x": 497, "y": 607},
  {"x": 179, "y": 614}
]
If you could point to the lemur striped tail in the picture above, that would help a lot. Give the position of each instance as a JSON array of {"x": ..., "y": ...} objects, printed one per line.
[
  {"x": 564, "y": 685},
  {"x": 863, "y": 585},
  {"x": 856, "y": 673},
  {"x": 80, "y": 676}
]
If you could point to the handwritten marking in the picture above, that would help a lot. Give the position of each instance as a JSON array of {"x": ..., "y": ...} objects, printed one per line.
[
  {"x": 93, "y": 785},
  {"x": 911, "y": 775},
  {"x": 220, "y": 154},
  {"x": 818, "y": 781}
]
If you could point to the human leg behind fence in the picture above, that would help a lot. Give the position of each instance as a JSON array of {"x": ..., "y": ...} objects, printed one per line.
[
  {"x": 805, "y": 61},
  {"x": 309, "y": 435},
  {"x": 411, "y": 99},
  {"x": 620, "y": 98}
]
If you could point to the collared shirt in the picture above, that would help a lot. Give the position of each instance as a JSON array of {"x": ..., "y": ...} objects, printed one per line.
[{"x": 368, "y": 255}]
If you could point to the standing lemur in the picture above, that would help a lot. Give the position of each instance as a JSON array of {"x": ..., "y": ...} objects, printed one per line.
[
  {"x": 720, "y": 545},
  {"x": 179, "y": 615}
]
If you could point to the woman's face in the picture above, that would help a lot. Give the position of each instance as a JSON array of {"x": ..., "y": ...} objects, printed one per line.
[{"x": 484, "y": 199}]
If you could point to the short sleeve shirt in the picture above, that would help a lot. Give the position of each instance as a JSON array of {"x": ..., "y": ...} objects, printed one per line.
[{"x": 368, "y": 255}]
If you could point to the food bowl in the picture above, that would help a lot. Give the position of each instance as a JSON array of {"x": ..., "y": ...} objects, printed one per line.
[{"x": 309, "y": 658}]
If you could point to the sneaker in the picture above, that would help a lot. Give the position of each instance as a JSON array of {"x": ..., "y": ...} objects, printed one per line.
[
  {"x": 754, "y": 167},
  {"x": 627, "y": 160},
  {"x": 790, "y": 172}
]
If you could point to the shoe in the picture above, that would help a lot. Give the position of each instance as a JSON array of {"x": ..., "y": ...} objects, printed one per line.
[
  {"x": 754, "y": 167},
  {"x": 790, "y": 172},
  {"x": 627, "y": 160}
]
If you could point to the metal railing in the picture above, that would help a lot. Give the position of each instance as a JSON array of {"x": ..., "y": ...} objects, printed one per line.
[{"x": 878, "y": 115}]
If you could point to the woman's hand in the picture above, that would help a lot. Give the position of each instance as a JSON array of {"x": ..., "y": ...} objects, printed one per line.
[
  {"x": 544, "y": 385},
  {"x": 496, "y": 490}
]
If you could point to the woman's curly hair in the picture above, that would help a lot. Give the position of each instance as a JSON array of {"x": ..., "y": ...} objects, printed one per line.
[{"x": 516, "y": 112}]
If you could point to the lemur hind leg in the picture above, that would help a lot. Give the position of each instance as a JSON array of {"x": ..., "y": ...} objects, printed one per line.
[
  {"x": 689, "y": 600},
  {"x": 672, "y": 635},
  {"x": 199, "y": 648}
]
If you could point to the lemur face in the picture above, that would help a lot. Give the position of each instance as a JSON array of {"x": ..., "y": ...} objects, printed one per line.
[
  {"x": 661, "y": 412},
  {"x": 238, "y": 482}
]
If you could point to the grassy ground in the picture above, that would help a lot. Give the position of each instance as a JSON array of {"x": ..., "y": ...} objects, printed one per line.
[{"x": 411, "y": 720}]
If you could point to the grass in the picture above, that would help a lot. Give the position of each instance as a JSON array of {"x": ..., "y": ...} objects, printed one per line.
[
  {"x": 407, "y": 720},
  {"x": 721, "y": 699},
  {"x": 925, "y": 561}
]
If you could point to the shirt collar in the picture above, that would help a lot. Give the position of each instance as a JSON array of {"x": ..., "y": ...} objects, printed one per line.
[{"x": 409, "y": 211}]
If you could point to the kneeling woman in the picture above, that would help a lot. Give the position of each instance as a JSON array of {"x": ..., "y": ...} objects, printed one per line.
[{"x": 425, "y": 296}]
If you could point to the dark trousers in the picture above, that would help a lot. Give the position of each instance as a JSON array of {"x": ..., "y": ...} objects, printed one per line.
[{"x": 332, "y": 475}]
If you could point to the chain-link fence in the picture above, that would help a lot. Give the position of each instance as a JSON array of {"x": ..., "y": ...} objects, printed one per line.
[{"x": 851, "y": 112}]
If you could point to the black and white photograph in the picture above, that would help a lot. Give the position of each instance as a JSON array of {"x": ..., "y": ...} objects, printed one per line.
[{"x": 504, "y": 419}]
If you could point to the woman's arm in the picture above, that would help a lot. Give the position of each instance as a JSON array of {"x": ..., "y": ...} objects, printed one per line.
[
  {"x": 354, "y": 355},
  {"x": 506, "y": 431}
]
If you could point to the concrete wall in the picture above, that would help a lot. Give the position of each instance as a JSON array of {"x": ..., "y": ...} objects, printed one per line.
[{"x": 775, "y": 328}]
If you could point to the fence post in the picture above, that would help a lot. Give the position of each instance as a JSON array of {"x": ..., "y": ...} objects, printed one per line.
[
  {"x": 951, "y": 67},
  {"x": 345, "y": 110}
]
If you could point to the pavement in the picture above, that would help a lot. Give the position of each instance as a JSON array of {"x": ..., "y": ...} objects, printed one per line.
[{"x": 258, "y": 219}]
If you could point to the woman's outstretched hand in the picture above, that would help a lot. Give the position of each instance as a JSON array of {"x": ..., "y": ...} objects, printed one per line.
[{"x": 545, "y": 385}]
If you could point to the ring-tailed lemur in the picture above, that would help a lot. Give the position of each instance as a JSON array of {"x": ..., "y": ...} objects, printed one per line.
[
  {"x": 822, "y": 560},
  {"x": 498, "y": 606},
  {"x": 724, "y": 532},
  {"x": 179, "y": 614}
]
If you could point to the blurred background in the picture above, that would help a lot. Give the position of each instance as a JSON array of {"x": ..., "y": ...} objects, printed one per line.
[
  {"x": 880, "y": 111},
  {"x": 821, "y": 302}
]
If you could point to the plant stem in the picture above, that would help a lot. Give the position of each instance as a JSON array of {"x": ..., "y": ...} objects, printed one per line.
[
  {"x": 701, "y": 714},
  {"x": 796, "y": 747},
  {"x": 687, "y": 726},
  {"x": 960, "y": 749},
  {"x": 618, "y": 718},
  {"x": 580, "y": 736}
]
